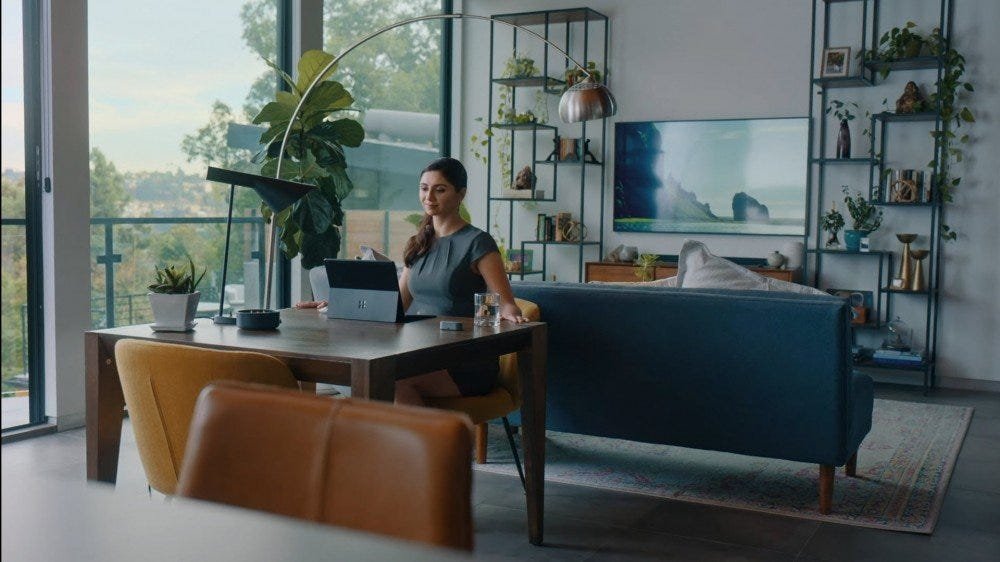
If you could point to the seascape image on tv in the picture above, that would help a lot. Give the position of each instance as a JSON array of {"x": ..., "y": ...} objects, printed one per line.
[{"x": 737, "y": 176}]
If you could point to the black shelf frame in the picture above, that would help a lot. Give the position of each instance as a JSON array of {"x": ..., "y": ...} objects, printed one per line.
[
  {"x": 820, "y": 165},
  {"x": 576, "y": 40}
]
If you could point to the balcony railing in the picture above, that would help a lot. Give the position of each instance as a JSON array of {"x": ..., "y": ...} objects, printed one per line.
[{"x": 116, "y": 309}]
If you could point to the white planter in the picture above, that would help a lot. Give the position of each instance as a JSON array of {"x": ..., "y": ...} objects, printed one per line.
[{"x": 174, "y": 312}]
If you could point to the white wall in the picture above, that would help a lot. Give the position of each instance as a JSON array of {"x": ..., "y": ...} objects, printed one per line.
[{"x": 704, "y": 59}]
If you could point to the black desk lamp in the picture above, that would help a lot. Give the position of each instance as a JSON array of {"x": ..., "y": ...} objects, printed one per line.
[{"x": 277, "y": 194}]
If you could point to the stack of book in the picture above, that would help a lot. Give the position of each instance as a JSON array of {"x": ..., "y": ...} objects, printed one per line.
[{"x": 897, "y": 358}]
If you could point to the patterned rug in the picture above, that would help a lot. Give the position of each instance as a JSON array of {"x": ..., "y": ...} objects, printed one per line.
[{"x": 904, "y": 466}]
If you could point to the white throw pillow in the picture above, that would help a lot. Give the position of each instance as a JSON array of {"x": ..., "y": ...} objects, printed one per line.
[{"x": 697, "y": 268}]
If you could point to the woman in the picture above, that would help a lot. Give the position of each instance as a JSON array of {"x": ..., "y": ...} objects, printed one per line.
[{"x": 445, "y": 264}]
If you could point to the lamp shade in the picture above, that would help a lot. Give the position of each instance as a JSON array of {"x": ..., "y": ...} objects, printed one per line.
[
  {"x": 587, "y": 100},
  {"x": 277, "y": 194}
]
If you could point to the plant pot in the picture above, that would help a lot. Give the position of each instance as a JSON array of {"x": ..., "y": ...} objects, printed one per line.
[
  {"x": 852, "y": 239},
  {"x": 912, "y": 48},
  {"x": 174, "y": 312}
]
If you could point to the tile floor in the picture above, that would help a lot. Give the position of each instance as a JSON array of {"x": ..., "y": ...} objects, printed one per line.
[{"x": 588, "y": 524}]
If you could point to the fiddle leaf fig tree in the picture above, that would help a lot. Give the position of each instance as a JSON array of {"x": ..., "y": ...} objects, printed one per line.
[{"x": 314, "y": 154}]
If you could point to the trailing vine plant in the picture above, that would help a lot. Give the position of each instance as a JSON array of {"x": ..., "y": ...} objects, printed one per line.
[
  {"x": 899, "y": 43},
  {"x": 515, "y": 67}
]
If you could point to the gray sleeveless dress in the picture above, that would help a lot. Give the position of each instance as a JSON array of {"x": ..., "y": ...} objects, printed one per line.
[{"x": 442, "y": 282}]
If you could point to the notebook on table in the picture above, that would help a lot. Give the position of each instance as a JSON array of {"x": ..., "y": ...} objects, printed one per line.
[{"x": 365, "y": 290}]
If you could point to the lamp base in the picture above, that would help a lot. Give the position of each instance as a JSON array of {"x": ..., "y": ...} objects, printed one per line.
[{"x": 226, "y": 320}]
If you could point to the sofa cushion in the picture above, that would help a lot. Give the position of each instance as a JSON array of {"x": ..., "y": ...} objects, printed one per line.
[
  {"x": 698, "y": 268},
  {"x": 665, "y": 282}
]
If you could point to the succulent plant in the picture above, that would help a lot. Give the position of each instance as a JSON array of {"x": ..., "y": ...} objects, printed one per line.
[{"x": 174, "y": 280}]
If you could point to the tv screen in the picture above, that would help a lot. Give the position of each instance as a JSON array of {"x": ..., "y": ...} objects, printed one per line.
[{"x": 727, "y": 176}]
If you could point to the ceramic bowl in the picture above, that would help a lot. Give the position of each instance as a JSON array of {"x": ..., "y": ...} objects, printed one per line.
[{"x": 257, "y": 319}]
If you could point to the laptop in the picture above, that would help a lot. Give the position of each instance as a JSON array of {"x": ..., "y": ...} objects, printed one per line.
[{"x": 365, "y": 290}]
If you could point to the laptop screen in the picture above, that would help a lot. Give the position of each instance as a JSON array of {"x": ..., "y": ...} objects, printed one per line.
[{"x": 365, "y": 290}]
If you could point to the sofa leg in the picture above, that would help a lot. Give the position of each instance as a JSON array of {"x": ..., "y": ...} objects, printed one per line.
[
  {"x": 825, "y": 488},
  {"x": 851, "y": 468},
  {"x": 481, "y": 432}
]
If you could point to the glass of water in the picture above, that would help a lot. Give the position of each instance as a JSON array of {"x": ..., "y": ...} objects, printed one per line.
[{"x": 487, "y": 309}]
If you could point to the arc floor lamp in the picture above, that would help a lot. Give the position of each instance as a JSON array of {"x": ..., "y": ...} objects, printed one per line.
[{"x": 584, "y": 101}]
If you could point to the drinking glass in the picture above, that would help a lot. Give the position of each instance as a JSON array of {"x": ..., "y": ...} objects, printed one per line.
[{"x": 487, "y": 309}]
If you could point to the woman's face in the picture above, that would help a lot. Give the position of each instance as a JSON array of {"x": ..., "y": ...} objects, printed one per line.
[{"x": 438, "y": 196}]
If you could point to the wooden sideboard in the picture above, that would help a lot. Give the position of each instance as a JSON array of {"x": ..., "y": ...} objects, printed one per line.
[{"x": 610, "y": 271}]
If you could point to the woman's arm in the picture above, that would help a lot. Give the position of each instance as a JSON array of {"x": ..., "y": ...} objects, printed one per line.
[
  {"x": 404, "y": 289},
  {"x": 491, "y": 268}
]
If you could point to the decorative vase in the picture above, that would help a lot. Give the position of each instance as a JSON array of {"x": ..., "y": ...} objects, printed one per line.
[
  {"x": 833, "y": 242},
  {"x": 775, "y": 259},
  {"x": 906, "y": 264},
  {"x": 794, "y": 253},
  {"x": 174, "y": 312},
  {"x": 852, "y": 239},
  {"x": 844, "y": 140},
  {"x": 918, "y": 283}
]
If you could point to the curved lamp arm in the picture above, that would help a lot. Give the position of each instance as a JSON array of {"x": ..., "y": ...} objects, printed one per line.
[{"x": 585, "y": 100}]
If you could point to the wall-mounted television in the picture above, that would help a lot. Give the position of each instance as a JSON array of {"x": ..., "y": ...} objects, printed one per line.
[{"x": 724, "y": 176}]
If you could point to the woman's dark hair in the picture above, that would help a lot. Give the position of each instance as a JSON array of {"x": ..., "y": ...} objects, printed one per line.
[{"x": 420, "y": 243}]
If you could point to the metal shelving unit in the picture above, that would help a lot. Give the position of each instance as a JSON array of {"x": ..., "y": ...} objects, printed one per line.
[
  {"x": 822, "y": 167},
  {"x": 574, "y": 25}
]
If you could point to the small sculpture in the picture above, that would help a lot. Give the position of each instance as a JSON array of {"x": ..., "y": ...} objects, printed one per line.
[
  {"x": 525, "y": 179},
  {"x": 912, "y": 100}
]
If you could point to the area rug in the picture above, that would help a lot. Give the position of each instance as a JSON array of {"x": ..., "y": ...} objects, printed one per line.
[{"x": 904, "y": 466}]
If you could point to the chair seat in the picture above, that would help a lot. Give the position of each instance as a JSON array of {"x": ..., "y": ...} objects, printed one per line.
[{"x": 497, "y": 404}]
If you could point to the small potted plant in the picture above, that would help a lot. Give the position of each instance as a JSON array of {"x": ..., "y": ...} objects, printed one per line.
[
  {"x": 645, "y": 265},
  {"x": 866, "y": 217},
  {"x": 832, "y": 221},
  {"x": 174, "y": 297}
]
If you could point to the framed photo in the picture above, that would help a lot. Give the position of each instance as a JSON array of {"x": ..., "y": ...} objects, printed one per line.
[
  {"x": 836, "y": 62},
  {"x": 724, "y": 176}
]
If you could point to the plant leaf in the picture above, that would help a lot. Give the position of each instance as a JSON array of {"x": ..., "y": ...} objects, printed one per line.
[{"x": 311, "y": 63}]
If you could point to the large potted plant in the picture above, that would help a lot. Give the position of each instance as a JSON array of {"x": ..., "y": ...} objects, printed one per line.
[
  {"x": 174, "y": 297},
  {"x": 866, "y": 217},
  {"x": 314, "y": 154}
]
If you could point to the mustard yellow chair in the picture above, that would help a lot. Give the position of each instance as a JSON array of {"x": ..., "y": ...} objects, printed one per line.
[
  {"x": 503, "y": 400},
  {"x": 161, "y": 383},
  {"x": 399, "y": 471}
]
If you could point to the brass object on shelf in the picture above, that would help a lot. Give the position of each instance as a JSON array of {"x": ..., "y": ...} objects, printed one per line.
[
  {"x": 905, "y": 264},
  {"x": 918, "y": 283}
]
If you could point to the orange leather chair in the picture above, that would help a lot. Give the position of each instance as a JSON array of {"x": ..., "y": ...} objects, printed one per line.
[
  {"x": 161, "y": 383},
  {"x": 500, "y": 402},
  {"x": 372, "y": 466}
]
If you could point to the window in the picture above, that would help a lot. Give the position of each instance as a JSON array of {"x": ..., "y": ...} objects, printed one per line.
[{"x": 396, "y": 81}]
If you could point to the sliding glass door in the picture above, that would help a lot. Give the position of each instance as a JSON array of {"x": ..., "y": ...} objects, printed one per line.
[{"x": 20, "y": 216}]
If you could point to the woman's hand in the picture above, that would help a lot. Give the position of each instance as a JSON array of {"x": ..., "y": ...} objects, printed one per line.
[
  {"x": 311, "y": 304},
  {"x": 510, "y": 311}
]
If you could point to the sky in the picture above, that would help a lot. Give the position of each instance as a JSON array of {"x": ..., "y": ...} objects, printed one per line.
[{"x": 154, "y": 73}]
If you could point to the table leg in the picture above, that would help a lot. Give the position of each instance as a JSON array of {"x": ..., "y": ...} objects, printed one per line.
[
  {"x": 105, "y": 409},
  {"x": 532, "y": 366},
  {"x": 374, "y": 380}
]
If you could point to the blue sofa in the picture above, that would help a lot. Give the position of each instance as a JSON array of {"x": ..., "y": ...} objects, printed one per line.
[{"x": 757, "y": 373}]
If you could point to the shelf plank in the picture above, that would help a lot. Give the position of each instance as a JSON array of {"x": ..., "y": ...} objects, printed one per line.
[
  {"x": 868, "y": 161},
  {"x": 871, "y": 364},
  {"x": 531, "y": 81},
  {"x": 889, "y": 116},
  {"x": 912, "y": 63},
  {"x": 846, "y": 252},
  {"x": 525, "y": 199},
  {"x": 526, "y": 272},
  {"x": 554, "y": 243},
  {"x": 555, "y": 16},
  {"x": 533, "y": 125},
  {"x": 843, "y": 82},
  {"x": 916, "y": 204},
  {"x": 567, "y": 163},
  {"x": 896, "y": 291}
]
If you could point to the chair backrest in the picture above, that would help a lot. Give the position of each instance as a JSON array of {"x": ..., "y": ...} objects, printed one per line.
[
  {"x": 509, "y": 378},
  {"x": 372, "y": 466},
  {"x": 161, "y": 383}
]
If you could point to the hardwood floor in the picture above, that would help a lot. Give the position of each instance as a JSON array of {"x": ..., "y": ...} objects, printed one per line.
[{"x": 589, "y": 524}]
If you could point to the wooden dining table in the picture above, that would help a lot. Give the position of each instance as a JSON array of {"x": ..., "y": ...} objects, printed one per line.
[{"x": 367, "y": 356}]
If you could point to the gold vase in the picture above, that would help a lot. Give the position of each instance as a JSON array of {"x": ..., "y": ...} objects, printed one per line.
[
  {"x": 905, "y": 265},
  {"x": 918, "y": 283}
]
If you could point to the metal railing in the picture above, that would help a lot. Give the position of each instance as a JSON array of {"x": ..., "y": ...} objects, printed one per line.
[{"x": 108, "y": 258}]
